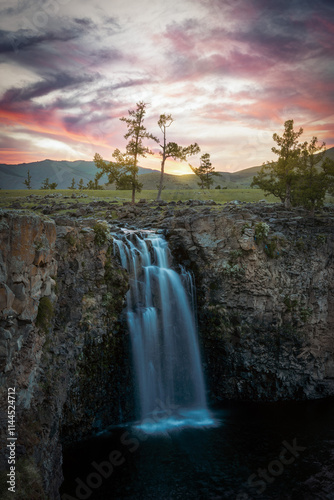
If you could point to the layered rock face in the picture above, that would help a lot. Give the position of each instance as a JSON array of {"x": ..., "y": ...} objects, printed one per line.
[
  {"x": 27, "y": 265},
  {"x": 265, "y": 284},
  {"x": 264, "y": 280},
  {"x": 63, "y": 348},
  {"x": 28, "y": 268}
]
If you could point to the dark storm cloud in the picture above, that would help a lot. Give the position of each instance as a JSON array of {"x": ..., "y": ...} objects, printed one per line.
[
  {"x": 24, "y": 39},
  {"x": 21, "y": 40},
  {"x": 51, "y": 83}
]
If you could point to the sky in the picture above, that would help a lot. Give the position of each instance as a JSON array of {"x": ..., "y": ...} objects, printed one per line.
[{"x": 230, "y": 72}]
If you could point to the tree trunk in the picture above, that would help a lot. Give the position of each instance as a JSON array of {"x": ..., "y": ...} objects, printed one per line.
[
  {"x": 287, "y": 202},
  {"x": 161, "y": 178},
  {"x": 162, "y": 166},
  {"x": 133, "y": 200}
]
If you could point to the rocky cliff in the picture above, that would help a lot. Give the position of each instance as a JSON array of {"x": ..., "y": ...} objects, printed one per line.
[
  {"x": 265, "y": 285},
  {"x": 63, "y": 347},
  {"x": 264, "y": 280}
]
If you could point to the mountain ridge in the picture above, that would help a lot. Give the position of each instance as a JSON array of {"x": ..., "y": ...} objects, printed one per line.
[{"x": 63, "y": 171}]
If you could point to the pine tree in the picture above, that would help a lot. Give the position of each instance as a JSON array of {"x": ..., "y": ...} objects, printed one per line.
[
  {"x": 278, "y": 177},
  {"x": 72, "y": 186},
  {"x": 171, "y": 149},
  {"x": 123, "y": 171},
  {"x": 45, "y": 184},
  {"x": 207, "y": 170},
  {"x": 135, "y": 148},
  {"x": 27, "y": 181},
  {"x": 204, "y": 172},
  {"x": 81, "y": 184},
  {"x": 313, "y": 179}
]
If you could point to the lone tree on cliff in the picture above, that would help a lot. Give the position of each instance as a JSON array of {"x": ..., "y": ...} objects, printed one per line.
[
  {"x": 277, "y": 177},
  {"x": 171, "y": 149},
  {"x": 204, "y": 172},
  {"x": 124, "y": 170}
]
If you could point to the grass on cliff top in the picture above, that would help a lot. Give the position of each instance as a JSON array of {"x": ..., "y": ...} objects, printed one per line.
[
  {"x": 218, "y": 195},
  {"x": 221, "y": 196}
]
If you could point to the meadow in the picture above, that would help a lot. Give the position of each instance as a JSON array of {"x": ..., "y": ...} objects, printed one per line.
[
  {"x": 67, "y": 198},
  {"x": 218, "y": 195}
]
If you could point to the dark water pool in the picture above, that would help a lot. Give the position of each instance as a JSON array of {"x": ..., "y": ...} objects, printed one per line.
[{"x": 271, "y": 451}]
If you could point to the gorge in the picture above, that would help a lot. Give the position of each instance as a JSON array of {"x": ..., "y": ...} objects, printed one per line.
[{"x": 264, "y": 286}]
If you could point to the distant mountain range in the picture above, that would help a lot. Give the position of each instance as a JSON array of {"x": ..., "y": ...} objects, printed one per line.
[{"x": 62, "y": 172}]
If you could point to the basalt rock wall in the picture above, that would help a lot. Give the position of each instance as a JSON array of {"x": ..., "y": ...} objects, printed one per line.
[
  {"x": 264, "y": 280},
  {"x": 63, "y": 347},
  {"x": 265, "y": 286}
]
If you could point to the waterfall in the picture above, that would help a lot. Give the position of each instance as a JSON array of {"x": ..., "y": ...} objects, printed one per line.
[{"x": 161, "y": 319}]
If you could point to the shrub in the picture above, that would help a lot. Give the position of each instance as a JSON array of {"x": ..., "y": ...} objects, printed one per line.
[
  {"x": 44, "y": 314},
  {"x": 305, "y": 313},
  {"x": 234, "y": 257},
  {"x": 291, "y": 304},
  {"x": 261, "y": 231},
  {"x": 270, "y": 248},
  {"x": 244, "y": 227},
  {"x": 101, "y": 233},
  {"x": 70, "y": 238}
]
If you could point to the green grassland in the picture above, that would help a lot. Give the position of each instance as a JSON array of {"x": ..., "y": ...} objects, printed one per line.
[
  {"x": 228, "y": 180},
  {"x": 219, "y": 195},
  {"x": 62, "y": 201}
]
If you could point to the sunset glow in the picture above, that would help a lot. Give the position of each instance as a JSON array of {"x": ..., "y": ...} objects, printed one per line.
[{"x": 230, "y": 73}]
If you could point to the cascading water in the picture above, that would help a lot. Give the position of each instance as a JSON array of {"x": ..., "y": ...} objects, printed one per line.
[{"x": 161, "y": 322}]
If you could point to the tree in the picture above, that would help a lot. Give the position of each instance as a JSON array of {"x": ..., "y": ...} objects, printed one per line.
[
  {"x": 120, "y": 172},
  {"x": 328, "y": 168},
  {"x": 45, "y": 184},
  {"x": 72, "y": 186},
  {"x": 310, "y": 189},
  {"x": 204, "y": 171},
  {"x": 135, "y": 148},
  {"x": 81, "y": 184},
  {"x": 94, "y": 185},
  {"x": 171, "y": 149},
  {"x": 278, "y": 177},
  {"x": 27, "y": 181},
  {"x": 314, "y": 176},
  {"x": 124, "y": 170}
]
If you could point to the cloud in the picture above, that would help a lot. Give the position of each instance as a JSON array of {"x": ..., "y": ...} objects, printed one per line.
[
  {"x": 16, "y": 9},
  {"x": 216, "y": 65},
  {"x": 17, "y": 95},
  {"x": 21, "y": 40}
]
